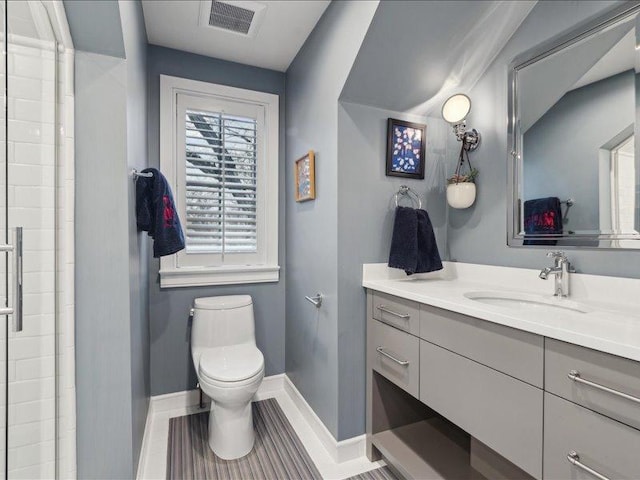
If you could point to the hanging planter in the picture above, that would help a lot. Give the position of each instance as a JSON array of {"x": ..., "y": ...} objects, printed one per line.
[{"x": 461, "y": 188}]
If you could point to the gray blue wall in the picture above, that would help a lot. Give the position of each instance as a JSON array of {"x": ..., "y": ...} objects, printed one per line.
[
  {"x": 96, "y": 26},
  {"x": 478, "y": 234},
  {"x": 411, "y": 50},
  {"x": 112, "y": 340},
  {"x": 171, "y": 364},
  {"x": 600, "y": 111},
  {"x": 365, "y": 223},
  {"x": 135, "y": 42},
  {"x": 314, "y": 82},
  {"x": 103, "y": 348}
]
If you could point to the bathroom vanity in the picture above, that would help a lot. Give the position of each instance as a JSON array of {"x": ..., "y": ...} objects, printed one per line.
[{"x": 480, "y": 372}]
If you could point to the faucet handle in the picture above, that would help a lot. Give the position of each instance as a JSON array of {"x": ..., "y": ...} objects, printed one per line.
[{"x": 556, "y": 254}]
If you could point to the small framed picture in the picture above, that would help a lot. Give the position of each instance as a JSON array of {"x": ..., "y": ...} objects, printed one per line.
[
  {"x": 305, "y": 177},
  {"x": 405, "y": 149}
]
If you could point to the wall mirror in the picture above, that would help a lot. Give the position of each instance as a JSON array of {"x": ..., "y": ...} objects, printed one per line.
[{"x": 574, "y": 162}]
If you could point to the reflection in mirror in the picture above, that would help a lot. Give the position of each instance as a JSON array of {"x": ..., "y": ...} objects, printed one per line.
[{"x": 573, "y": 108}]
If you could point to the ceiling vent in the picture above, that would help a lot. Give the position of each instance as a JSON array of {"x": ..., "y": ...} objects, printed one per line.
[{"x": 239, "y": 17}]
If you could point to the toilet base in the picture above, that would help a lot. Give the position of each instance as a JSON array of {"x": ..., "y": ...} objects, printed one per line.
[{"x": 231, "y": 433}]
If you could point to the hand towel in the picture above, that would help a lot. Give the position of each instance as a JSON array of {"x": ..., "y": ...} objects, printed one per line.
[
  {"x": 542, "y": 216},
  {"x": 413, "y": 244},
  {"x": 428, "y": 254},
  {"x": 156, "y": 213}
]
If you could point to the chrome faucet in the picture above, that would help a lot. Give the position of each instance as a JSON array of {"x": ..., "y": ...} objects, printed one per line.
[{"x": 561, "y": 269}]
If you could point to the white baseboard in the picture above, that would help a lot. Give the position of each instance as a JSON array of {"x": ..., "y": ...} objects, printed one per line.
[
  {"x": 172, "y": 401},
  {"x": 191, "y": 398},
  {"x": 145, "y": 442},
  {"x": 342, "y": 451},
  {"x": 270, "y": 386}
]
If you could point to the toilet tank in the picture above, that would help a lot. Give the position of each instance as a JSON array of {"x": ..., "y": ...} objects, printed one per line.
[{"x": 221, "y": 321}]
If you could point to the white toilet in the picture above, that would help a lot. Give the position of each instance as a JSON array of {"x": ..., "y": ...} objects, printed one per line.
[{"x": 230, "y": 369}]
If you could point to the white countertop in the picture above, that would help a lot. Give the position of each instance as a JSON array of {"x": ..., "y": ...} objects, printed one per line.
[{"x": 613, "y": 325}]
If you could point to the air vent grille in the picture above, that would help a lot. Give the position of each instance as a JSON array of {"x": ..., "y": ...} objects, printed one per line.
[{"x": 230, "y": 17}]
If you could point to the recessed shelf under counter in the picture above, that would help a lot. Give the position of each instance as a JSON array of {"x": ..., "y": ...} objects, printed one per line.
[{"x": 611, "y": 325}]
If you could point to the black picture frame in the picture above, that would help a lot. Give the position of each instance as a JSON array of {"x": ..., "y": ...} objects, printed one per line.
[{"x": 398, "y": 165}]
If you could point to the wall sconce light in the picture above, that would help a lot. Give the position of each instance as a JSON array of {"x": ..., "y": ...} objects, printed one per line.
[{"x": 455, "y": 111}]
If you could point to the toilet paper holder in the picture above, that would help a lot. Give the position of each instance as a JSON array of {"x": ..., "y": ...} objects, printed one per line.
[{"x": 317, "y": 300}]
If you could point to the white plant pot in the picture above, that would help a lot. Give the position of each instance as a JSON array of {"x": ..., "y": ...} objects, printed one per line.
[{"x": 461, "y": 195}]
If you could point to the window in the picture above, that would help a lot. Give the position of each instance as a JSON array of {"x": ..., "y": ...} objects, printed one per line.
[{"x": 219, "y": 151}]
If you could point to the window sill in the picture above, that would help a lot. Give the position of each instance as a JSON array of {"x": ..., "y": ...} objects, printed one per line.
[{"x": 199, "y": 277}]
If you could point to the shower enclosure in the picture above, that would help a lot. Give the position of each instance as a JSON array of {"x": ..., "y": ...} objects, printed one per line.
[{"x": 37, "y": 389}]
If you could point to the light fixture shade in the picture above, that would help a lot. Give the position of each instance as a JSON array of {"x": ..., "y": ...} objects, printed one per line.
[{"x": 456, "y": 108}]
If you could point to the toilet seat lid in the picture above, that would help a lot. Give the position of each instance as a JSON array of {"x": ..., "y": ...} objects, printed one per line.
[{"x": 231, "y": 363}]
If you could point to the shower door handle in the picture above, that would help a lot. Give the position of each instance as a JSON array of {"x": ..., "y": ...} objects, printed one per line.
[
  {"x": 18, "y": 279},
  {"x": 16, "y": 310}
]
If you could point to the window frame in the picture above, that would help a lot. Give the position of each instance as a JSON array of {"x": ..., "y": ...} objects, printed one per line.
[{"x": 172, "y": 273}]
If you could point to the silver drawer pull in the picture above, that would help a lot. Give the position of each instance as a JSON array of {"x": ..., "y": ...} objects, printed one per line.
[
  {"x": 382, "y": 351},
  {"x": 574, "y": 458},
  {"x": 383, "y": 308},
  {"x": 575, "y": 376}
]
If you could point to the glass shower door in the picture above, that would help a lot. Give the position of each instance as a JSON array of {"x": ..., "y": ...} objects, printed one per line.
[
  {"x": 5, "y": 304},
  {"x": 28, "y": 219}
]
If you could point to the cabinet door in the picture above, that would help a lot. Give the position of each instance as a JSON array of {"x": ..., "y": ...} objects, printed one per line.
[
  {"x": 514, "y": 352},
  {"x": 502, "y": 412},
  {"x": 397, "y": 312},
  {"x": 614, "y": 373},
  {"x": 601, "y": 444},
  {"x": 395, "y": 354}
]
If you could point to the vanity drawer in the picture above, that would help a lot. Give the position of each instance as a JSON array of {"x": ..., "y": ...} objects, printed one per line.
[
  {"x": 602, "y": 444},
  {"x": 502, "y": 412},
  {"x": 514, "y": 352},
  {"x": 398, "y": 312},
  {"x": 396, "y": 355},
  {"x": 612, "y": 372}
]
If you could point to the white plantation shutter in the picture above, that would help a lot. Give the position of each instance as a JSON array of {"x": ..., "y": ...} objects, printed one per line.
[
  {"x": 219, "y": 151},
  {"x": 221, "y": 182}
]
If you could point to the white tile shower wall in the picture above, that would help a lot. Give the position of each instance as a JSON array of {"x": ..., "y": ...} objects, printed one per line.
[
  {"x": 41, "y": 167},
  {"x": 32, "y": 390},
  {"x": 32, "y": 205}
]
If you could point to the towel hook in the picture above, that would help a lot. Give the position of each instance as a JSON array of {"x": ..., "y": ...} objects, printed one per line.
[
  {"x": 316, "y": 301},
  {"x": 136, "y": 174},
  {"x": 408, "y": 192}
]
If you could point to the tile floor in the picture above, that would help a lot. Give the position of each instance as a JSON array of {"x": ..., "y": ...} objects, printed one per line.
[{"x": 154, "y": 463}]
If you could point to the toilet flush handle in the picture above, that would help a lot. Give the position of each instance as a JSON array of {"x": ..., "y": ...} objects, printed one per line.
[{"x": 190, "y": 323}]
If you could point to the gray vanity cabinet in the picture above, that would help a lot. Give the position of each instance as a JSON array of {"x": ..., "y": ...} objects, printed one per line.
[{"x": 501, "y": 386}]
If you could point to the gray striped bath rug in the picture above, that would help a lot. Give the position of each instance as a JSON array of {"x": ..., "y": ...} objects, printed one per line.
[
  {"x": 382, "y": 473},
  {"x": 278, "y": 453}
]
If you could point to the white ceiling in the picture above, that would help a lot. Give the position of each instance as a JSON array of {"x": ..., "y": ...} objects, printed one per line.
[{"x": 283, "y": 30}]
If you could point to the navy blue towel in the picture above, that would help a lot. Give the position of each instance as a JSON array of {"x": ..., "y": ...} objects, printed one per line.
[
  {"x": 156, "y": 213},
  {"x": 413, "y": 245},
  {"x": 542, "y": 216}
]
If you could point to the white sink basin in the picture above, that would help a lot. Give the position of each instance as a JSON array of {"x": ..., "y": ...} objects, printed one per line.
[{"x": 516, "y": 300}]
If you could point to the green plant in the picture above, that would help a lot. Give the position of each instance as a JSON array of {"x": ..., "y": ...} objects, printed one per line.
[{"x": 462, "y": 178}]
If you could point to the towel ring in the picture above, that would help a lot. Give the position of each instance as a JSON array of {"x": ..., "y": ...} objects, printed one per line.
[{"x": 408, "y": 192}]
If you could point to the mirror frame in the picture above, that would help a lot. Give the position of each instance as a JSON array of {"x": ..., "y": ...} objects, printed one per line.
[{"x": 581, "y": 31}]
